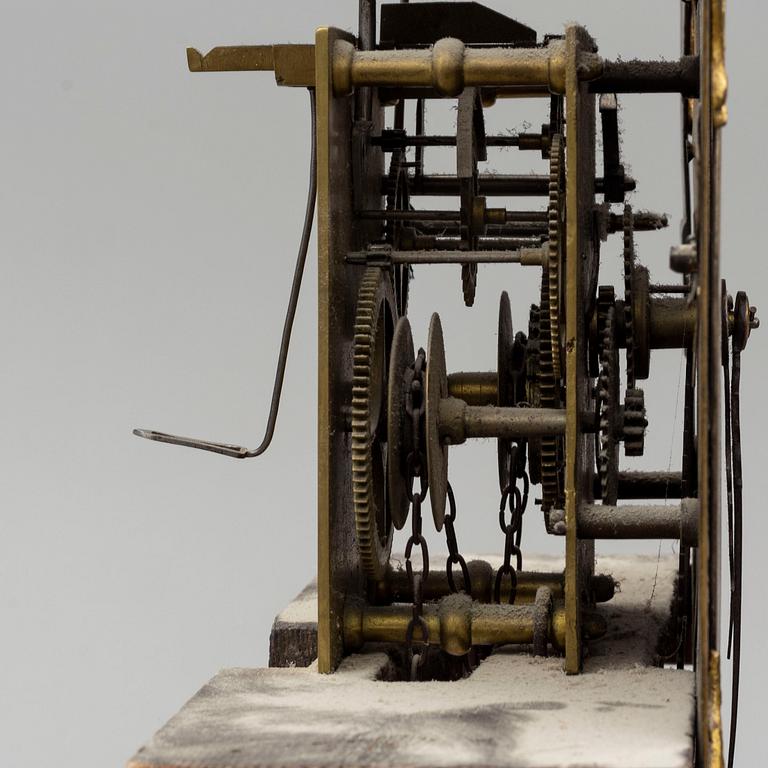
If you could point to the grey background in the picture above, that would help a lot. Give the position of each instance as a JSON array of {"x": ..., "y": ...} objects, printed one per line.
[{"x": 148, "y": 226}]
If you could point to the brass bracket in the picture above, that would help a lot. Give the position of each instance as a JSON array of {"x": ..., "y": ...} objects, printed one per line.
[{"x": 293, "y": 64}]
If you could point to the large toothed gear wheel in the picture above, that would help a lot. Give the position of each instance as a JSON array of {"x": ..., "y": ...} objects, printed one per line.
[
  {"x": 555, "y": 246},
  {"x": 374, "y": 328}
]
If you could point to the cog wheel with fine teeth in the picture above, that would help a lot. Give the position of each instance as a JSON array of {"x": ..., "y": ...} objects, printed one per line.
[
  {"x": 608, "y": 408},
  {"x": 374, "y": 327},
  {"x": 634, "y": 422},
  {"x": 554, "y": 246},
  {"x": 629, "y": 299}
]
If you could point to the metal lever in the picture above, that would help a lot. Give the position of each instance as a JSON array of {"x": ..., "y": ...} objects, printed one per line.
[{"x": 237, "y": 451}]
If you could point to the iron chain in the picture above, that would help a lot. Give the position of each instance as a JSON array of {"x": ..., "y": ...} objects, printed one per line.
[
  {"x": 454, "y": 557},
  {"x": 515, "y": 501},
  {"x": 415, "y": 407}
]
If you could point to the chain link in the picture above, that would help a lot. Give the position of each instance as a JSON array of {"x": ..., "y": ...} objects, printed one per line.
[
  {"x": 415, "y": 406},
  {"x": 454, "y": 557},
  {"x": 515, "y": 501}
]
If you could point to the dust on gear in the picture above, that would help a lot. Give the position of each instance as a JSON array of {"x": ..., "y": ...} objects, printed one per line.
[
  {"x": 629, "y": 269},
  {"x": 608, "y": 405},
  {"x": 374, "y": 327},
  {"x": 532, "y": 394},
  {"x": 634, "y": 418},
  {"x": 549, "y": 448},
  {"x": 634, "y": 422}
]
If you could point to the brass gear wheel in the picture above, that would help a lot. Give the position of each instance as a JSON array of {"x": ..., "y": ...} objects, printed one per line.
[
  {"x": 374, "y": 327},
  {"x": 549, "y": 372},
  {"x": 555, "y": 245}
]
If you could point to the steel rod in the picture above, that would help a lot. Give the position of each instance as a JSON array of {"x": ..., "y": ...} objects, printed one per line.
[
  {"x": 517, "y": 185},
  {"x": 648, "y": 521},
  {"x": 524, "y": 256}
]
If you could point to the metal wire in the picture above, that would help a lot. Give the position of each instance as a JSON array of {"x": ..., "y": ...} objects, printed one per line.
[{"x": 236, "y": 451}]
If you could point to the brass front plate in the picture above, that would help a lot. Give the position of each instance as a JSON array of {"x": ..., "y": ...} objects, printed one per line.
[
  {"x": 347, "y": 168},
  {"x": 579, "y": 265}
]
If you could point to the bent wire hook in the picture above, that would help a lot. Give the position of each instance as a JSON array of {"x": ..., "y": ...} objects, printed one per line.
[{"x": 237, "y": 451}]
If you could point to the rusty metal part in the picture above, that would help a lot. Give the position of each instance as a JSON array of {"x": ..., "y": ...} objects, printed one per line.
[
  {"x": 374, "y": 328},
  {"x": 643, "y": 221},
  {"x": 437, "y": 449},
  {"x": 492, "y": 185},
  {"x": 396, "y": 588},
  {"x": 293, "y": 64},
  {"x": 646, "y": 485},
  {"x": 457, "y": 623},
  {"x": 630, "y": 521},
  {"x": 399, "y": 443},
  {"x": 638, "y": 76}
]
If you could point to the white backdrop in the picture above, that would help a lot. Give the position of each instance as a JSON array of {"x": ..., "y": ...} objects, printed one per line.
[{"x": 148, "y": 225}]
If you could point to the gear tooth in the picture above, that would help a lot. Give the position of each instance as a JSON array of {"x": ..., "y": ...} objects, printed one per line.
[
  {"x": 629, "y": 267},
  {"x": 606, "y": 394},
  {"x": 372, "y": 294}
]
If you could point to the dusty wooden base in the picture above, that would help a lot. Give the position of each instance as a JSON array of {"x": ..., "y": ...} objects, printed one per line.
[{"x": 514, "y": 711}]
